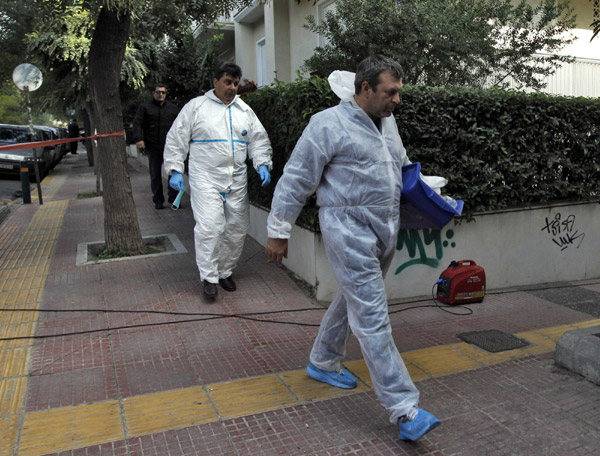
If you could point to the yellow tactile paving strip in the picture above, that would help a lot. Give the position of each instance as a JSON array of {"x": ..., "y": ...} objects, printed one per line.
[
  {"x": 23, "y": 272},
  {"x": 22, "y": 277},
  {"x": 50, "y": 186},
  {"x": 47, "y": 431},
  {"x": 152, "y": 413}
]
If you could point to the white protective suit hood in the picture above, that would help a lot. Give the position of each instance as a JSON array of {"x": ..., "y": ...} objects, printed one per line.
[{"x": 342, "y": 84}]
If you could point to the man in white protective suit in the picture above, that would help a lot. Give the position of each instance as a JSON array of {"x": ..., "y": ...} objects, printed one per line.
[
  {"x": 352, "y": 156},
  {"x": 219, "y": 131}
]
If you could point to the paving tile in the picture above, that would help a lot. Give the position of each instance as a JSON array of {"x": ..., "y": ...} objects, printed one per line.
[
  {"x": 8, "y": 436},
  {"x": 72, "y": 387},
  {"x": 441, "y": 400},
  {"x": 245, "y": 397},
  {"x": 284, "y": 357},
  {"x": 490, "y": 385},
  {"x": 166, "y": 410},
  {"x": 288, "y": 431},
  {"x": 305, "y": 388},
  {"x": 200, "y": 335},
  {"x": 354, "y": 418},
  {"x": 118, "y": 448},
  {"x": 203, "y": 440},
  {"x": 474, "y": 433},
  {"x": 154, "y": 375},
  {"x": 143, "y": 345},
  {"x": 12, "y": 395},
  {"x": 443, "y": 360},
  {"x": 214, "y": 364},
  {"x": 61, "y": 354},
  {"x": 13, "y": 362},
  {"x": 70, "y": 428},
  {"x": 63, "y": 324}
]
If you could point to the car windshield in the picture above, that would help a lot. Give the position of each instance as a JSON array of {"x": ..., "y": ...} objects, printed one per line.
[{"x": 13, "y": 135}]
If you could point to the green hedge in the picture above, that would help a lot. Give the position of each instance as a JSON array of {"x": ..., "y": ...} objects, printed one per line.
[{"x": 498, "y": 149}]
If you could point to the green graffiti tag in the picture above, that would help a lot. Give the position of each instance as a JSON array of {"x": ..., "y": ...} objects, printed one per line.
[{"x": 414, "y": 244}]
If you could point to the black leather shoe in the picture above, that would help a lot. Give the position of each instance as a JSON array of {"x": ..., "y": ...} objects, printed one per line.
[
  {"x": 210, "y": 289},
  {"x": 227, "y": 284},
  {"x": 158, "y": 205}
]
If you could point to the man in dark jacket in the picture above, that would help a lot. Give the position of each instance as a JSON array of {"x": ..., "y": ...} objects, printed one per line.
[
  {"x": 73, "y": 133},
  {"x": 150, "y": 127}
]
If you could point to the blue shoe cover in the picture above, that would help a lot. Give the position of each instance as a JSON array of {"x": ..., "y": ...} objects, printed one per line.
[
  {"x": 421, "y": 425},
  {"x": 341, "y": 379}
]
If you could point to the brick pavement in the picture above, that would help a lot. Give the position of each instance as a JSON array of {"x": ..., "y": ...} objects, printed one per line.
[{"x": 513, "y": 404}]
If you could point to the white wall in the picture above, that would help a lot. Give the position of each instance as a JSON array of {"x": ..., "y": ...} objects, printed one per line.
[
  {"x": 303, "y": 42},
  {"x": 246, "y": 36},
  {"x": 289, "y": 44},
  {"x": 277, "y": 30},
  {"x": 516, "y": 248}
]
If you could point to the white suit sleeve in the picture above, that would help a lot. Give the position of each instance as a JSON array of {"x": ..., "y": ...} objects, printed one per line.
[
  {"x": 179, "y": 136},
  {"x": 259, "y": 146},
  {"x": 300, "y": 179}
]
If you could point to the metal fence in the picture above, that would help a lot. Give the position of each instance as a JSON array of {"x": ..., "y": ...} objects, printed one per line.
[{"x": 580, "y": 78}]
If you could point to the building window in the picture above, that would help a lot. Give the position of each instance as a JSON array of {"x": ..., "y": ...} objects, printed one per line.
[
  {"x": 261, "y": 62},
  {"x": 323, "y": 8}
]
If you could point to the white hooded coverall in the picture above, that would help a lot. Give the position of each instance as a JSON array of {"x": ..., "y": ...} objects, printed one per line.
[
  {"x": 356, "y": 170},
  {"x": 218, "y": 138}
]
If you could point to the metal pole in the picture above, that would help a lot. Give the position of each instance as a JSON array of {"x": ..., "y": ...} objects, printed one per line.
[
  {"x": 32, "y": 133},
  {"x": 25, "y": 182}
]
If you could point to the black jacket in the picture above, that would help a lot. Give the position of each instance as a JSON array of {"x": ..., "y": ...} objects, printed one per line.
[
  {"x": 152, "y": 122},
  {"x": 73, "y": 130}
]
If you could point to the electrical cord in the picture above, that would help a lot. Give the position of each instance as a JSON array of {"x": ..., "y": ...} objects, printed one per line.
[{"x": 250, "y": 316}]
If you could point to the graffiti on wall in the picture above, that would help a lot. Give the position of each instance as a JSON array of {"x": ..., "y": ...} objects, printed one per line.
[
  {"x": 417, "y": 244},
  {"x": 562, "y": 231}
]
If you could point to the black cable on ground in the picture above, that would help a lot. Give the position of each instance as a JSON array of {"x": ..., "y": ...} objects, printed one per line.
[
  {"x": 250, "y": 316},
  {"x": 207, "y": 317}
]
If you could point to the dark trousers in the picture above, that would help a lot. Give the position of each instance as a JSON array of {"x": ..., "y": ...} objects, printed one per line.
[{"x": 155, "y": 162}]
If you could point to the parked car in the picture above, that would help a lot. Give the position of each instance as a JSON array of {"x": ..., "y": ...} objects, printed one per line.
[
  {"x": 51, "y": 133},
  {"x": 10, "y": 160},
  {"x": 63, "y": 133}
]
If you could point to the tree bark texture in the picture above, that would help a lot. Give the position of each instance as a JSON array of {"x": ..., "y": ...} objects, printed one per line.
[{"x": 107, "y": 50}]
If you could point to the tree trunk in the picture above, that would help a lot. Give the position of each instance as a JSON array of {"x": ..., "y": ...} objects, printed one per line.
[{"x": 107, "y": 50}]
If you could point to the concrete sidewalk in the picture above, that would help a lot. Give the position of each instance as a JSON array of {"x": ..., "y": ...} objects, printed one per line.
[{"x": 126, "y": 358}]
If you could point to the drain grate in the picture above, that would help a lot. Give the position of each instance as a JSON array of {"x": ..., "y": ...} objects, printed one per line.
[{"x": 493, "y": 340}]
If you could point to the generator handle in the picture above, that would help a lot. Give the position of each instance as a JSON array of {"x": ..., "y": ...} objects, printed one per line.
[{"x": 467, "y": 263}]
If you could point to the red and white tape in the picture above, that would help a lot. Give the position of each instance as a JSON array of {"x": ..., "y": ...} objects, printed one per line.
[{"x": 54, "y": 142}]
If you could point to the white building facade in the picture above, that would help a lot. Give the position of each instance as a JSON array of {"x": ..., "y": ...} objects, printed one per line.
[{"x": 271, "y": 43}]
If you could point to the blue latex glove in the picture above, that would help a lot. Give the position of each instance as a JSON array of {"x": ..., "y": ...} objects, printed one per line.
[
  {"x": 176, "y": 181},
  {"x": 265, "y": 175}
]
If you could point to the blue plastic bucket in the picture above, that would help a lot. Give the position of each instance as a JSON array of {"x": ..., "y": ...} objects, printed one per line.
[{"x": 420, "y": 206}]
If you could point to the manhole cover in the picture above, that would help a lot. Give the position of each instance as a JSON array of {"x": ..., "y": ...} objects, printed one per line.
[{"x": 493, "y": 340}]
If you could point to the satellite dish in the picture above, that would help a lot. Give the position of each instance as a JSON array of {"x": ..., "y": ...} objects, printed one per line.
[{"x": 27, "y": 75}]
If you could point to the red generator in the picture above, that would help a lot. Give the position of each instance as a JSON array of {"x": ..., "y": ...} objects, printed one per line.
[{"x": 462, "y": 282}]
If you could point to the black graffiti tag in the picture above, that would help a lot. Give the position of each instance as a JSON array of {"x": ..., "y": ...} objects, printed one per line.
[{"x": 563, "y": 231}]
